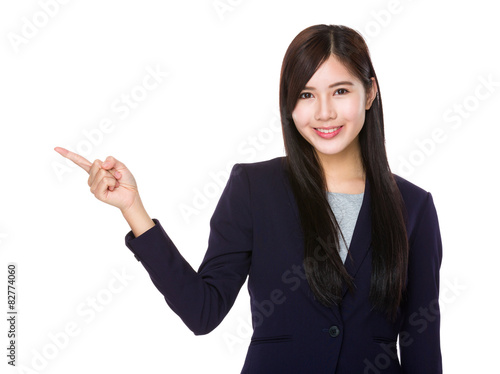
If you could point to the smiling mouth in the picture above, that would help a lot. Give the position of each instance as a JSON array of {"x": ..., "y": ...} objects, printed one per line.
[{"x": 327, "y": 131}]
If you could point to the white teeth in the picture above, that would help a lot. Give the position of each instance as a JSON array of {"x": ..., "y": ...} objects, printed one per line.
[{"x": 328, "y": 131}]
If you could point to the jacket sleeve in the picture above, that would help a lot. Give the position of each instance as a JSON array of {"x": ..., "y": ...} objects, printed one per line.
[
  {"x": 419, "y": 339},
  {"x": 202, "y": 299}
]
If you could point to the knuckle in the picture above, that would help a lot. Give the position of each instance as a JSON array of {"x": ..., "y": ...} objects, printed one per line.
[
  {"x": 101, "y": 173},
  {"x": 95, "y": 166}
]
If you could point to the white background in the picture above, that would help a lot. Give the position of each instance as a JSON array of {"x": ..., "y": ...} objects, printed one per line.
[{"x": 65, "y": 69}]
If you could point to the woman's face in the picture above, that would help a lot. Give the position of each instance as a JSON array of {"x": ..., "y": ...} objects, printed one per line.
[{"x": 330, "y": 111}]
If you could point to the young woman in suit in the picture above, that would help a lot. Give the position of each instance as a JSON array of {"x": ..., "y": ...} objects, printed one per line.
[{"x": 342, "y": 256}]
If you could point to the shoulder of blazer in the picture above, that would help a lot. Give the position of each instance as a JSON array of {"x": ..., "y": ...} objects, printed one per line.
[
  {"x": 265, "y": 182},
  {"x": 263, "y": 173},
  {"x": 416, "y": 201},
  {"x": 413, "y": 195},
  {"x": 265, "y": 167},
  {"x": 406, "y": 187}
]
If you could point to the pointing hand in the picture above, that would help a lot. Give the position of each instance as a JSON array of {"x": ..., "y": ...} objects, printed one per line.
[{"x": 110, "y": 181}]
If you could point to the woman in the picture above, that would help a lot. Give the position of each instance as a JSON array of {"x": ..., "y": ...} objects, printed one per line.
[{"x": 343, "y": 257}]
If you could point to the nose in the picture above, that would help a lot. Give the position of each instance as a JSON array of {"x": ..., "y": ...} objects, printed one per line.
[{"x": 325, "y": 108}]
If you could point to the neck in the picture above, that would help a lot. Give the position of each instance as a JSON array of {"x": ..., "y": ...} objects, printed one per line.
[{"x": 344, "y": 171}]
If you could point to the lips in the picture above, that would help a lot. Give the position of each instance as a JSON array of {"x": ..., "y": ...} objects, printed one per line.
[{"x": 328, "y": 133}]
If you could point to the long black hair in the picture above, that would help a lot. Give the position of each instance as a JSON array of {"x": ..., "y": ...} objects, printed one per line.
[{"x": 328, "y": 276}]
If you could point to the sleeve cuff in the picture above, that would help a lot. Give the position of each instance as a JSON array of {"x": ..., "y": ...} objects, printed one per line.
[{"x": 135, "y": 243}]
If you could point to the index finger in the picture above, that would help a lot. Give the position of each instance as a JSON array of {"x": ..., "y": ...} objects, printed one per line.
[{"x": 76, "y": 158}]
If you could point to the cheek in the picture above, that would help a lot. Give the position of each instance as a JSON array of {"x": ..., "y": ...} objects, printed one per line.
[
  {"x": 354, "y": 111},
  {"x": 300, "y": 117}
]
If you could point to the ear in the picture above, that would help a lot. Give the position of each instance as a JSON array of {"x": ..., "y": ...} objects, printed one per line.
[{"x": 371, "y": 94}]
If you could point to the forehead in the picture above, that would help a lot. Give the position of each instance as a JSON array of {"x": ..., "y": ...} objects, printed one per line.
[{"x": 331, "y": 71}]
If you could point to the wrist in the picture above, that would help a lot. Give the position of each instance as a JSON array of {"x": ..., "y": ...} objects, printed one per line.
[
  {"x": 137, "y": 218},
  {"x": 135, "y": 208}
]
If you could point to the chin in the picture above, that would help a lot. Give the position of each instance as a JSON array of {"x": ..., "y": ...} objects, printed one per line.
[{"x": 329, "y": 152}]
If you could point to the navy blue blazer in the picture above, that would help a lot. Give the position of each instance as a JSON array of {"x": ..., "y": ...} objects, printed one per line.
[{"x": 255, "y": 231}]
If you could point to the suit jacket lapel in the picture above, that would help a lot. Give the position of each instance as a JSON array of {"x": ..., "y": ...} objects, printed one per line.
[
  {"x": 289, "y": 191},
  {"x": 361, "y": 237}
]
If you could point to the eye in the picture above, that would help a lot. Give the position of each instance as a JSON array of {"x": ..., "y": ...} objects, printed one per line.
[
  {"x": 341, "y": 91},
  {"x": 305, "y": 95}
]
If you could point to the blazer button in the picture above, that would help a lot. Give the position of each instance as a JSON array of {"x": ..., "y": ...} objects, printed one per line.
[{"x": 334, "y": 331}]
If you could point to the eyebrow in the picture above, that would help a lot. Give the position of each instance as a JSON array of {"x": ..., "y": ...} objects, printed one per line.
[{"x": 342, "y": 83}]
